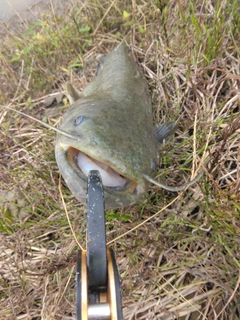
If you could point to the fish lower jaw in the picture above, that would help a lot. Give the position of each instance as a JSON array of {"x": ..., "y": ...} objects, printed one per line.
[{"x": 110, "y": 178}]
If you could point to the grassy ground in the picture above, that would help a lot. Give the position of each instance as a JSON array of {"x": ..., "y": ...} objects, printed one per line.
[{"x": 183, "y": 261}]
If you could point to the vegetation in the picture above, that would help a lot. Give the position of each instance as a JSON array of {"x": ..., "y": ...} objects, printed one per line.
[{"x": 182, "y": 260}]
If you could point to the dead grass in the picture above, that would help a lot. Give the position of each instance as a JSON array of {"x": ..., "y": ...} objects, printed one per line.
[{"x": 183, "y": 262}]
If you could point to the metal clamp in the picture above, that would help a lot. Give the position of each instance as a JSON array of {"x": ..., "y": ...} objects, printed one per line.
[{"x": 98, "y": 294}]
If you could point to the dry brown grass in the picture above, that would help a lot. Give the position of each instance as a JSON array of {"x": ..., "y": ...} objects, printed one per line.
[{"x": 183, "y": 262}]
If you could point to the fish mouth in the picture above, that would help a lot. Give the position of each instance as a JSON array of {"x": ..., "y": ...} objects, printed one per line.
[{"x": 111, "y": 179}]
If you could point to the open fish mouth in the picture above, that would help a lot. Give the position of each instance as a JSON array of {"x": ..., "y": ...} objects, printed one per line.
[{"x": 111, "y": 179}]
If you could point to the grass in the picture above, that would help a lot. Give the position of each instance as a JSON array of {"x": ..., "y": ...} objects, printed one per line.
[{"x": 182, "y": 259}]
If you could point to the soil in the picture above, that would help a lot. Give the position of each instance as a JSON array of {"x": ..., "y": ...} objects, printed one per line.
[{"x": 18, "y": 23}]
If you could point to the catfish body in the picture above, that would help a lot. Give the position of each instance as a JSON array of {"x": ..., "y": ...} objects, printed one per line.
[{"x": 113, "y": 121}]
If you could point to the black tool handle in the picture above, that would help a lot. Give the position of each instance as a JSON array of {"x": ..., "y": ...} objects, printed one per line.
[{"x": 96, "y": 233}]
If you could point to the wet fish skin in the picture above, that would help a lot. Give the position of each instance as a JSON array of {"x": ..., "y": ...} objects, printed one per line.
[{"x": 112, "y": 117}]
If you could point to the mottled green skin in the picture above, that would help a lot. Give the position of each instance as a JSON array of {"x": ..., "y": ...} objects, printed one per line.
[{"x": 117, "y": 128}]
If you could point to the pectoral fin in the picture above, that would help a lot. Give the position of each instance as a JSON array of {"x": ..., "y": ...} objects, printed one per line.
[
  {"x": 100, "y": 60},
  {"x": 164, "y": 131},
  {"x": 72, "y": 93}
]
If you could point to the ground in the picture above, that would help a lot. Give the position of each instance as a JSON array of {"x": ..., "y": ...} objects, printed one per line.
[{"x": 177, "y": 253}]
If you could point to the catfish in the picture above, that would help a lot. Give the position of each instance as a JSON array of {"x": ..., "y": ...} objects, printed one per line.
[{"x": 109, "y": 128}]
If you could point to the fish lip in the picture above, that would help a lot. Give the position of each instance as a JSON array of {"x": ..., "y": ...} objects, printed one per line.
[{"x": 72, "y": 153}]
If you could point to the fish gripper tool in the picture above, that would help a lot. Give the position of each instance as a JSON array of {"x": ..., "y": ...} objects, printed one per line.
[{"x": 98, "y": 293}]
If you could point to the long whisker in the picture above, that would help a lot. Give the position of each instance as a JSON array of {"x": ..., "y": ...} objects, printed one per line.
[
  {"x": 66, "y": 134},
  {"x": 170, "y": 188}
]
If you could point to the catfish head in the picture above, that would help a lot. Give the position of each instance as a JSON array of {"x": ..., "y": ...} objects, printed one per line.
[{"x": 110, "y": 141}]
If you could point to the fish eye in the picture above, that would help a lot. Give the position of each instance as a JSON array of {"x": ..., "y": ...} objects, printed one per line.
[{"x": 79, "y": 120}]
